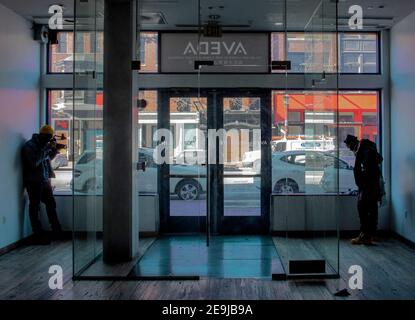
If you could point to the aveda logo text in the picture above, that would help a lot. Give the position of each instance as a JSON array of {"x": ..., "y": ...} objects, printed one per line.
[{"x": 215, "y": 48}]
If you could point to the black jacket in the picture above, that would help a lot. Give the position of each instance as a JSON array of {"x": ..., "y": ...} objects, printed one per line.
[
  {"x": 36, "y": 161},
  {"x": 367, "y": 170}
]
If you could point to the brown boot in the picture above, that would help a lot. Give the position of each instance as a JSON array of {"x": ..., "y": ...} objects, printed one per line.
[{"x": 361, "y": 239}]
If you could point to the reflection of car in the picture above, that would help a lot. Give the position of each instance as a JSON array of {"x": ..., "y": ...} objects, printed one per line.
[
  {"x": 59, "y": 161},
  {"x": 87, "y": 171},
  {"x": 291, "y": 171},
  {"x": 344, "y": 154},
  {"x": 188, "y": 182},
  {"x": 298, "y": 144},
  {"x": 191, "y": 156},
  {"x": 341, "y": 180},
  {"x": 253, "y": 158}
]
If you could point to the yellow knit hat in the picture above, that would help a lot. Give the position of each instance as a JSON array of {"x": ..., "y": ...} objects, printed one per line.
[{"x": 46, "y": 129}]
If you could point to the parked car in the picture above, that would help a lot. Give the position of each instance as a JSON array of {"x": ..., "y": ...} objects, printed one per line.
[
  {"x": 59, "y": 161},
  {"x": 341, "y": 180},
  {"x": 87, "y": 171},
  {"x": 188, "y": 182},
  {"x": 191, "y": 156},
  {"x": 291, "y": 171},
  {"x": 299, "y": 144},
  {"x": 253, "y": 158},
  {"x": 344, "y": 154}
]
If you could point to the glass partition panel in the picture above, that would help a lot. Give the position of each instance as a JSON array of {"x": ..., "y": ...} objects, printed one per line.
[
  {"x": 171, "y": 182},
  {"x": 306, "y": 152},
  {"x": 87, "y": 134}
]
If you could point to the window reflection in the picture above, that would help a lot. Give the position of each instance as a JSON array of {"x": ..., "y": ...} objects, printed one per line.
[{"x": 308, "y": 129}]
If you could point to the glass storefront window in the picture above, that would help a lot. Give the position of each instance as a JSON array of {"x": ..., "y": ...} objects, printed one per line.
[
  {"x": 358, "y": 52},
  {"x": 296, "y": 50},
  {"x": 149, "y": 52},
  {"x": 79, "y": 134},
  {"x": 86, "y": 46},
  {"x": 294, "y": 112},
  {"x": 61, "y": 54}
]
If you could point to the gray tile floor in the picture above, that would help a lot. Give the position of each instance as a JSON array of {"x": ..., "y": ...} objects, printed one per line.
[{"x": 226, "y": 257}]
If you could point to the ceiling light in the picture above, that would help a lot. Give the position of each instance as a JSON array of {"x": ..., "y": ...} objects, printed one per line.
[{"x": 278, "y": 24}]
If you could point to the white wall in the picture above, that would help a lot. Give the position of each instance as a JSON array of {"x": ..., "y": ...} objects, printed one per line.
[
  {"x": 19, "y": 117},
  {"x": 403, "y": 127}
]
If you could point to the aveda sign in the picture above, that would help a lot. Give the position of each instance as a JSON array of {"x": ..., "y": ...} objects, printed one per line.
[
  {"x": 215, "y": 48},
  {"x": 233, "y": 52}
]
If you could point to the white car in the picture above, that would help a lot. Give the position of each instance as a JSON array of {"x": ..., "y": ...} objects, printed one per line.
[
  {"x": 87, "y": 171},
  {"x": 59, "y": 161},
  {"x": 294, "y": 170},
  {"x": 253, "y": 158},
  {"x": 191, "y": 156},
  {"x": 188, "y": 182},
  {"x": 344, "y": 154},
  {"x": 341, "y": 180}
]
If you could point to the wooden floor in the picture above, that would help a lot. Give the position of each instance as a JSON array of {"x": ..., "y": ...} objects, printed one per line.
[{"x": 389, "y": 273}]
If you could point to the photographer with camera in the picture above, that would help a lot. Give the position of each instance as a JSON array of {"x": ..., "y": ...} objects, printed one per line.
[{"x": 37, "y": 172}]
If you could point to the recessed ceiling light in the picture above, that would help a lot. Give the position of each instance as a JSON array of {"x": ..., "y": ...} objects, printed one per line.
[{"x": 278, "y": 24}]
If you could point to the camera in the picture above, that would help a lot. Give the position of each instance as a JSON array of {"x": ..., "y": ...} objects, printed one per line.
[{"x": 54, "y": 142}]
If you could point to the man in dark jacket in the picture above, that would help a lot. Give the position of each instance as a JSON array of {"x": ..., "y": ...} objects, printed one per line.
[
  {"x": 37, "y": 171},
  {"x": 367, "y": 174}
]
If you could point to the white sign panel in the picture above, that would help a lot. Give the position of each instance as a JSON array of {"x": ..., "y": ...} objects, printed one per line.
[{"x": 231, "y": 53}]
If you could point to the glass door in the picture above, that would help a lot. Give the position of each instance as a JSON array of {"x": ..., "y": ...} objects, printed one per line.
[
  {"x": 215, "y": 180},
  {"x": 243, "y": 186},
  {"x": 183, "y": 178}
]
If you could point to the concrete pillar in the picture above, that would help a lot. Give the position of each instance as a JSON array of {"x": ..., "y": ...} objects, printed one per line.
[{"x": 120, "y": 238}]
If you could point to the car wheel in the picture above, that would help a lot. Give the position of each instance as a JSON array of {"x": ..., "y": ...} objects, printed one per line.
[
  {"x": 188, "y": 190},
  {"x": 89, "y": 185},
  {"x": 286, "y": 186},
  {"x": 257, "y": 166}
]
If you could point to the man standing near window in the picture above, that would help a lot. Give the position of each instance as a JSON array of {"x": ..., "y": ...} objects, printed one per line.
[
  {"x": 37, "y": 171},
  {"x": 367, "y": 174}
]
